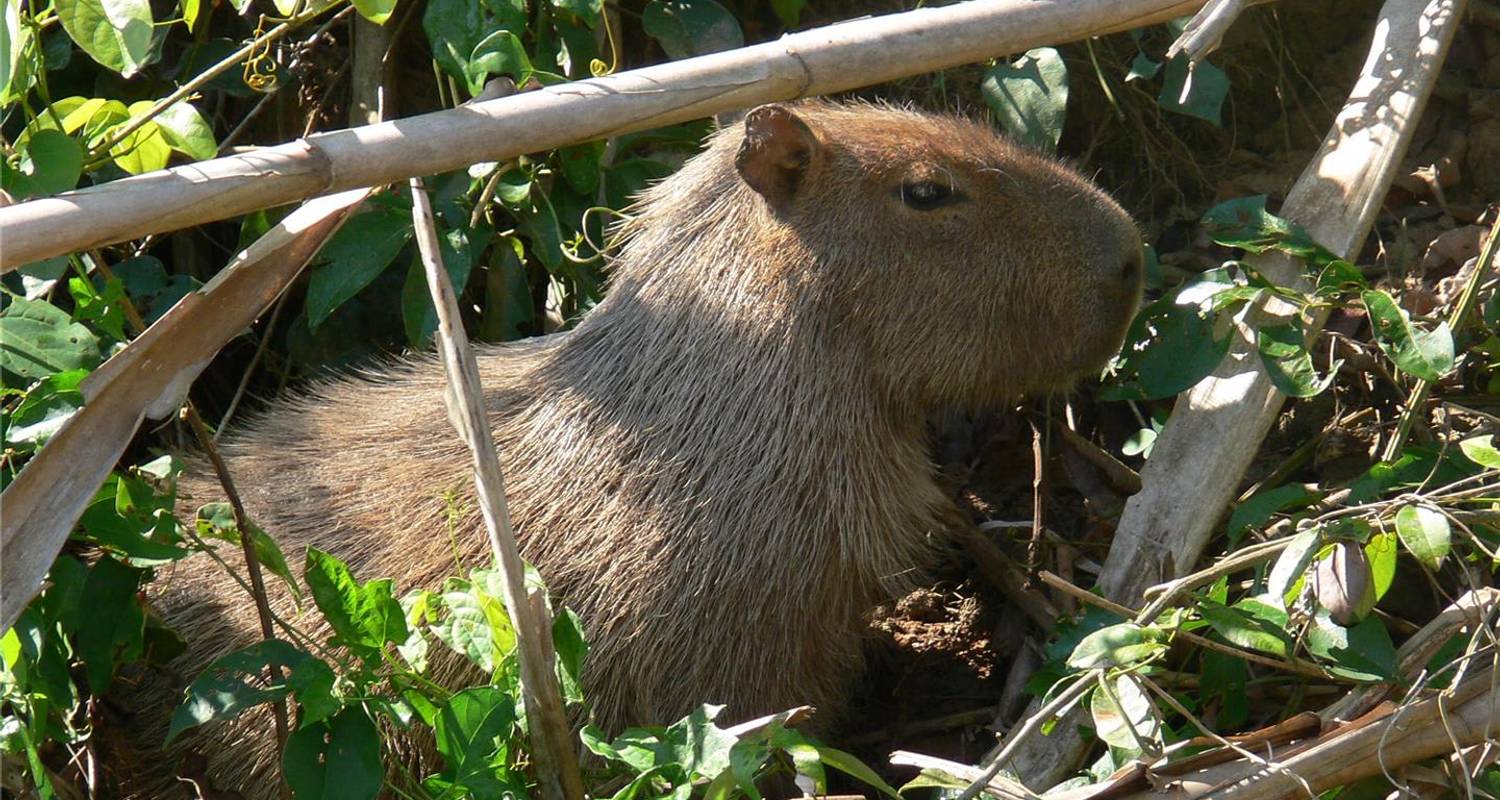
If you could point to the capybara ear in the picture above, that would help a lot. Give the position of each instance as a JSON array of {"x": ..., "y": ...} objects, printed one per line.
[{"x": 777, "y": 151}]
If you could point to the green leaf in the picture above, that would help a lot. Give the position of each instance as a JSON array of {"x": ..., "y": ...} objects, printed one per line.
[
  {"x": 216, "y": 521},
  {"x": 687, "y": 28},
  {"x": 1425, "y": 533},
  {"x": 1364, "y": 652},
  {"x": 1292, "y": 564},
  {"x": 311, "y": 682},
  {"x": 854, "y": 768},
  {"x": 1381, "y": 552},
  {"x": 336, "y": 758},
  {"x": 184, "y": 130},
  {"x": 51, "y": 162},
  {"x": 1249, "y": 624},
  {"x": 1142, "y": 68},
  {"x": 106, "y": 639},
  {"x": 1424, "y": 354},
  {"x": 1288, "y": 363},
  {"x": 233, "y": 683},
  {"x": 472, "y": 730},
  {"x": 37, "y": 340},
  {"x": 376, "y": 11},
  {"x": 43, "y": 410},
  {"x": 145, "y": 150},
  {"x": 365, "y": 616},
  {"x": 1261, "y": 506},
  {"x": 580, "y": 166},
  {"x": 1030, "y": 97},
  {"x": 500, "y": 53},
  {"x": 571, "y": 648},
  {"x": 587, "y": 11},
  {"x": 788, "y": 11},
  {"x": 1183, "y": 352},
  {"x": 1198, "y": 92},
  {"x": 354, "y": 257},
  {"x": 1339, "y": 276},
  {"x": 1482, "y": 451},
  {"x": 13, "y": 39},
  {"x": 115, "y": 33},
  {"x": 1117, "y": 645}
]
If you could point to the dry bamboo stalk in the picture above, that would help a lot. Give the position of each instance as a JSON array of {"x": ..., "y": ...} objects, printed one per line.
[
  {"x": 551, "y": 738},
  {"x": 1467, "y": 715},
  {"x": 148, "y": 378},
  {"x": 820, "y": 61},
  {"x": 1217, "y": 426}
]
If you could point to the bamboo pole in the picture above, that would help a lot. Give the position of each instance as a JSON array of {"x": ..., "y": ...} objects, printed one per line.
[
  {"x": 1217, "y": 426},
  {"x": 820, "y": 61},
  {"x": 551, "y": 739}
]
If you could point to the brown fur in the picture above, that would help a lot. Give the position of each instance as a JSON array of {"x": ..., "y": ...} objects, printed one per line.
[{"x": 724, "y": 466}]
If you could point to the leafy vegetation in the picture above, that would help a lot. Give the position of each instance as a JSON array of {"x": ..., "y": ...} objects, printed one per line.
[{"x": 95, "y": 90}]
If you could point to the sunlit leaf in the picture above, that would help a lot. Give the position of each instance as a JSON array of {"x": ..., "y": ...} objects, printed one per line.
[
  {"x": 1029, "y": 97},
  {"x": 1424, "y": 354},
  {"x": 1425, "y": 533},
  {"x": 115, "y": 33}
]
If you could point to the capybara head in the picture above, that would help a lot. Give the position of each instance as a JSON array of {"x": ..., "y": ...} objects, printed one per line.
[{"x": 969, "y": 269}]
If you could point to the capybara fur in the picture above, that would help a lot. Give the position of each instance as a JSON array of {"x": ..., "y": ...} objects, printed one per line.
[{"x": 725, "y": 465}]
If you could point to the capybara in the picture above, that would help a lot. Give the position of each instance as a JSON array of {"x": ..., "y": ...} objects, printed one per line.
[{"x": 725, "y": 465}]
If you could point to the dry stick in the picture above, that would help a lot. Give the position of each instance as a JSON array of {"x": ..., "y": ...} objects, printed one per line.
[
  {"x": 1217, "y": 426},
  {"x": 818, "y": 61},
  {"x": 1460, "y": 315},
  {"x": 552, "y": 751},
  {"x": 241, "y": 521}
]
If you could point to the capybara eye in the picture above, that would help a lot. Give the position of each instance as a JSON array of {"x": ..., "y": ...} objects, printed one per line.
[{"x": 927, "y": 195}]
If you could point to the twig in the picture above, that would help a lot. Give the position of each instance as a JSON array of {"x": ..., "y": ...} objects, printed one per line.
[
  {"x": 552, "y": 751},
  {"x": 241, "y": 520},
  {"x": 260, "y": 350},
  {"x": 1086, "y": 596},
  {"x": 1082, "y": 683},
  {"x": 1460, "y": 315}
]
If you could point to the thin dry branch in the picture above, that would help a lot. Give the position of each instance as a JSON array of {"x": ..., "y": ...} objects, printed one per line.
[
  {"x": 1217, "y": 426},
  {"x": 551, "y": 738},
  {"x": 820, "y": 61}
]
